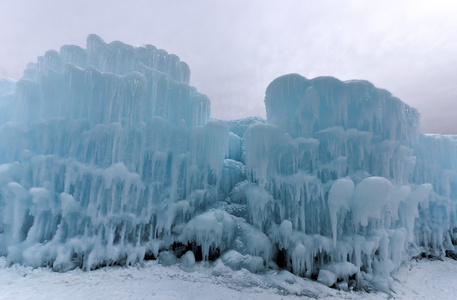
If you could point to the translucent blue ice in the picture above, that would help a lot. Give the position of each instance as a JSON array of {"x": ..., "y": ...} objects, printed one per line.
[{"x": 108, "y": 156}]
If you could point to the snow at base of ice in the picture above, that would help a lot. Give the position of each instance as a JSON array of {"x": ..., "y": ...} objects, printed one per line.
[{"x": 423, "y": 279}]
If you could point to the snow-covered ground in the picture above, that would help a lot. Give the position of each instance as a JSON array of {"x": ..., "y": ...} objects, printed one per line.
[{"x": 418, "y": 280}]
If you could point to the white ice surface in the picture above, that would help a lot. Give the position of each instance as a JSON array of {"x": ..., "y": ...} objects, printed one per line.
[{"x": 416, "y": 280}]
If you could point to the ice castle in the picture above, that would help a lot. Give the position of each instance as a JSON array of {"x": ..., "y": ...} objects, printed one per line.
[{"x": 108, "y": 156}]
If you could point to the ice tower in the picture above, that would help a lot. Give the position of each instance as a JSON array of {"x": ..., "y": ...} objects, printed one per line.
[{"x": 108, "y": 156}]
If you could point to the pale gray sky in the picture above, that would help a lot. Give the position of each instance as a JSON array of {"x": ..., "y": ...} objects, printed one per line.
[{"x": 235, "y": 48}]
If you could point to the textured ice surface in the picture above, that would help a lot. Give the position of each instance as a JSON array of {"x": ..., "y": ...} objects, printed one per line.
[{"x": 108, "y": 156}]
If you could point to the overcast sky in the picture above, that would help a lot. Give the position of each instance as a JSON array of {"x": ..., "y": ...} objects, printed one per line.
[{"x": 235, "y": 48}]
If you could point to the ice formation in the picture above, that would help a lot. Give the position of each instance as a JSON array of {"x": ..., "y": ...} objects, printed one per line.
[{"x": 108, "y": 156}]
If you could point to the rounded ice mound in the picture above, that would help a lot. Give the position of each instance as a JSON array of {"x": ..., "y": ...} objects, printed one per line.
[
  {"x": 372, "y": 195},
  {"x": 302, "y": 107},
  {"x": 326, "y": 277},
  {"x": 188, "y": 260},
  {"x": 211, "y": 230},
  {"x": 237, "y": 261},
  {"x": 167, "y": 258}
]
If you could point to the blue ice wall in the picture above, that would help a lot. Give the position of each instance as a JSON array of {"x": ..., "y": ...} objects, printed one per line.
[
  {"x": 346, "y": 161},
  {"x": 108, "y": 156},
  {"x": 103, "y": 153}
]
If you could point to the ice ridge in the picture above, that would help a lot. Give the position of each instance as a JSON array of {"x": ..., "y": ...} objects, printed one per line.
[{"x": 108, "y": 156}]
